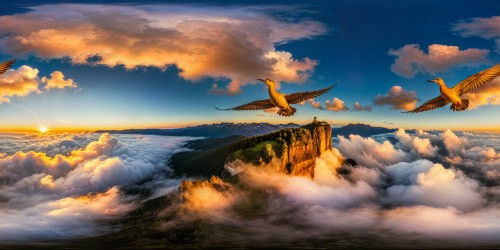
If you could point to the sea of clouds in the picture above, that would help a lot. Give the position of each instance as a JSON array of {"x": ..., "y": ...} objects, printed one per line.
[
  {"x": 64, "y": 185},
  {"x": 438, "y": 187},
  {"x": 428, "y": 188}
]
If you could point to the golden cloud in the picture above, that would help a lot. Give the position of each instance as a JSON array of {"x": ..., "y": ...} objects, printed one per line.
[
  {"x": 57, "y": 81},
  {"x": 235, "y": 43}
]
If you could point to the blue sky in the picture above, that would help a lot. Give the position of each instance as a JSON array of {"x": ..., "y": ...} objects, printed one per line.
[{"x": 348, "y": 41}]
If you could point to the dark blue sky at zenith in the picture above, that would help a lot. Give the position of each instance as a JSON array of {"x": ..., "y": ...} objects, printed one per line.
[{"x": 353, "y": 52}]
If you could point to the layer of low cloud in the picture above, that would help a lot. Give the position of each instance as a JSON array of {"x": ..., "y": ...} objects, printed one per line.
[
  {"x": 410, "y": 59},
  {"x": 236, "y": 43},
  {"x": 25, "y": 80},
  {"x": 65, "y": 185},
  {"x": 397, "y": 98},
  {"x": 408, "y": 185},
  {"x": 398, "y": 191}
]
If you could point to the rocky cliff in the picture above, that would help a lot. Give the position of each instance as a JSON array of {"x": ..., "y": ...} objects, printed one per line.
[{"x": 290, "y": 151}]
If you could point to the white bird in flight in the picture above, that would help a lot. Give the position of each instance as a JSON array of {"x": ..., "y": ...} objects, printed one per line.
[
  {"x": 452, "y": 95},
  {"x": 277, "y": 99},
  {"x": 6, "y": 65}
]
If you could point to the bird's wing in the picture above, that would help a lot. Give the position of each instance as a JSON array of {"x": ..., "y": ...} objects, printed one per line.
[
  {"x": 435, "y": 103},
  {"x": 477, "y": 80},
  {"x": 256, "y": 105},
  {"x": 6, "y": 65},
  {"x": 303, "y": 96}
]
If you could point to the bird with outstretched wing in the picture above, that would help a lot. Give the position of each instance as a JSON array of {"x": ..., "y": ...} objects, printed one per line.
[
  {"x": 282, "y": 101},
  {"x": 452, "y": 95}
]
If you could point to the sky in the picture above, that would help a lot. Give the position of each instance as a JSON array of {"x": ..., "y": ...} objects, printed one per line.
[{"x": 159, "y": 64}]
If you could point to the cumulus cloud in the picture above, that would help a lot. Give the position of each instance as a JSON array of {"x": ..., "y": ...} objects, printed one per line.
[
  {"x": 236, "y": 43},
  {"x": 24, "y": 81},
  {"x": 359, "y": 107},
  {"x": 20, "y": 82},
  {"x": 57, "y": 81},
  {"x": 336, "y": 105},
  {"x": 452, "y": 142},
  {"x": 421, "y": 146},
  {"x": 487, "y": 28},
  {"x": 48, "y": 192},
  {"x": 425, "y": 183},
  {"x": 410, "y": 59},
  {"x": 370, "y": 153},
  {"x": 316, "y": 105},
  {"x": 397, "y": 98}
]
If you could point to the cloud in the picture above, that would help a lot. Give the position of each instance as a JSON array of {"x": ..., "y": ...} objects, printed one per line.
[
  {"x": 368, "y": 152},
  {"x": 24, "y": 81},
  {"x": 487, "y": 28},
  {"x": 62, "y": 218},
  {"x": 425, "y": 183},
  {"x": 387, "y": 198},
  {"x": 57, "y": 81},
  {"x": 20, "y": 82},
  {"x": 480, "y": 226},
  {"x": 236, "y": 43},
  {"x": 336, "y": 105},
  {"x": 410, "y": 59},
  {"x": 316, "y": 105},
  {"x": 421, "y": 146},
  {"x": 452, "y": 142},
  {"x": 488, "y": 94},
  {"x": 397, "y": 98},
  {"x": 359, "y": 107},
  {"x": 408, "y": 186},
  {"x": 64, "y": 193}
]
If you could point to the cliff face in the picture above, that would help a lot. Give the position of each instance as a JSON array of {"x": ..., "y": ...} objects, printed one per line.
[{"x": 292, "y": 151}]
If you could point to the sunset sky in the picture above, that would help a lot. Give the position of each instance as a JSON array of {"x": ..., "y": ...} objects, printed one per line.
[{"x": 124, "y": 64}]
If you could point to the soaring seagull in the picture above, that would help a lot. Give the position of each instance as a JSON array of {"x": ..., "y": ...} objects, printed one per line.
[
  {"x": 452, "y": 95},
  {"x": 277, "y": 99},
  {"x": 6, "y": 65}
]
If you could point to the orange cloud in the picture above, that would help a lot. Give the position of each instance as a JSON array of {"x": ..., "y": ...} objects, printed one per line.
[
  {"x": 57, "y": 81},
  {"x": 235, "y": 43},
  {"x": 24, "y": 81},
  {"x": 20, "y": 82},
  {"x": 336, "y": 105},
  {"x": 412, "y": 60},
  {"x": 397, "y": 98},
  {"x": 359, "y": 107}
]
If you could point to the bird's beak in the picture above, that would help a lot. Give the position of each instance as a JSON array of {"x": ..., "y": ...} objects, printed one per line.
[
  {"x": 430, "y": 80},
  {"x": 261, "y": 80}
]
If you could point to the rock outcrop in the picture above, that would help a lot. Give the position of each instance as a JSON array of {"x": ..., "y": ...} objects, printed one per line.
[{"x": 290, "y": 151}]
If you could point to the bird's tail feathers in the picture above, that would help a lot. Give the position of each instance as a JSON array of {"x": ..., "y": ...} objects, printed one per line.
[
  {"x": 287, "y": 112},
  {"x": 463, "y": 106}
]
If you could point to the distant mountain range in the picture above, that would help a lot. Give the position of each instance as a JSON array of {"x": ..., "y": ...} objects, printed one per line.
[
  {"x": 221, "y": 130},
  {"x": 360, "y": 129},
  {"x": 218, "y": 130}
]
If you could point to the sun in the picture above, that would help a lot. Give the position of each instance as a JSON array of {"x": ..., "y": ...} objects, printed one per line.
[{"x": 42, "y": 129}]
